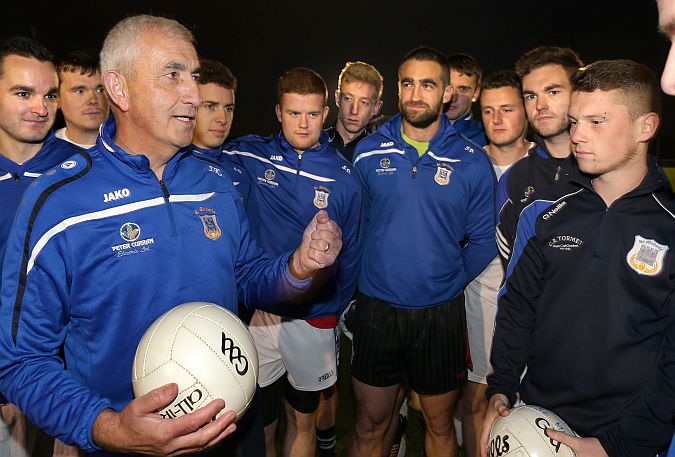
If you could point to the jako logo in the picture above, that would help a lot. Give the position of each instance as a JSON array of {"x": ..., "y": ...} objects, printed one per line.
[
  {"x": 387, "y": 144},
  {"x": 116, "y": 195}
]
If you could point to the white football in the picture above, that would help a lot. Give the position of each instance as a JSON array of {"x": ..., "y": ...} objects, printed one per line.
[
  {"x": 206, "y": 350},
  {"x": 521, "y": 434}
]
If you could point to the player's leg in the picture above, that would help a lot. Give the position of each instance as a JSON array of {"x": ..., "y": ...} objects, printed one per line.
[
  {"x": 310, "y": 356},
  {"x": 265, "y": 328},
  {"x": 481, "y": 308},
  {"x": 475, "y": 407},
  {"x": 326, "y": 415},
  {"x": 377, "y": 373},
  {"x": 436, "y": 359},
  {"x": 394, "y": 439},
  {"x": 375, "y": 407},
  {"x": 300, "y": 408}
]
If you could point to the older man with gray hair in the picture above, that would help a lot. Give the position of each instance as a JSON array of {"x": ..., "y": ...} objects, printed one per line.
[{"x": 63, "y": 285}]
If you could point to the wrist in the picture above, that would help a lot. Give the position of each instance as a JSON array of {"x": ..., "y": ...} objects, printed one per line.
[
  {"x": 296, "y": 269},
  {"x": 105, "y": 429}
]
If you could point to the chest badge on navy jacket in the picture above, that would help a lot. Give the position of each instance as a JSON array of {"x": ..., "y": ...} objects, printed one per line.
[
  {"x": 646, "y": 256},
  {"x": 210, "y": 222},
  {"x": 321, "y": 195},
  {"x": 443, "y": 173}
]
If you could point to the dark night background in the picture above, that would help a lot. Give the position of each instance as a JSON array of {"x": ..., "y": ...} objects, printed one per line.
[{"x": 259, "y": 40}]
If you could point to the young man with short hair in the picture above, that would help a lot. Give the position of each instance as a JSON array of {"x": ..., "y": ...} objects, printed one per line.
[
  {"x": 465, "y": 79},
  {"x": 410, "y": 321},
  {"x": 358, "y": 98},
  {"x": 82, "y": 99},
  {"x": 599, "y": 356},
  {"x": 28, "y": 148},
  {"x": 215, "y": 114},
  {"x": 545, "y": 74},
  {"x": 503, "y": 115},
  {"x": 217, "y": 87},
  {"x": 293, "y": 174}
]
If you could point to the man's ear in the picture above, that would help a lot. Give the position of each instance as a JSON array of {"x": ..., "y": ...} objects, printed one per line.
[
  {"x": 326, "y": 110},
  {"x": 277, "y": 109},
  {"x": 117, "y": 88},
  {"x": 476, "y": 94},
  {"x": 649, "y": 125},
  {"x": 376, "y": 108},
  {"x": 447, "y": 94},
  {"x": 337, "y": 98}
]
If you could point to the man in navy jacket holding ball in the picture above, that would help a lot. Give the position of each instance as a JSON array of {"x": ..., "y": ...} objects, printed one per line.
[
  {"x": 118, "y": 235},
  {"x": 600, "y": 356}
]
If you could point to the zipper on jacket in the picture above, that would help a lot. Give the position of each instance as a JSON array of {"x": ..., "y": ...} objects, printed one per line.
[
  {"x": 414, "y": 171},
  {"x": 16, "y": 176},
  {"x": 558, "y": 171},
  {"x": 172, "y": 221},
  {"x": 299, "y": 163}
]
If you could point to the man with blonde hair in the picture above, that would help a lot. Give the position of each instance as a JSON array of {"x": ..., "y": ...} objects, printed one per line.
[{"x": 358, "y": 98}]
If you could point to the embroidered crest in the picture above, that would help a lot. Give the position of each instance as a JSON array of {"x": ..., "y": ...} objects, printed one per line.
[
  {"x": 443, "y": 173},
  {"x": 321, "y": 194},
  {"x": 270, "y": 174},
  {"x": 646, "y": 256},
  {"x": 209, "y": 222},
  {"x": 130, "y": 231},
  {"x": 384, "y": 163}
]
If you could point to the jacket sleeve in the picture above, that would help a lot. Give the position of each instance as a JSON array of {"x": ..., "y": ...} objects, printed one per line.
[
  {"x": 264, "y": 282},
  {"x": 516, "y": 314},
  {"x": 480, "y": 248},
  {"x": 507, "y": 219},
  {"x": 647, "y": 424},
  {"x": 34, "y": 315}
]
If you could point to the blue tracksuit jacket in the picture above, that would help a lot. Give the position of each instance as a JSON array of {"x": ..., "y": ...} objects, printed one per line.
[
  {"x": 287, "y": 189},
  {"x": 429, "y": 221},
  {"x": 99, "y": 250}
]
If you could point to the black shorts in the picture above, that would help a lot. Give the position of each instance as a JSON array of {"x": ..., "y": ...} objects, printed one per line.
[{"x": 426, "y": 346}]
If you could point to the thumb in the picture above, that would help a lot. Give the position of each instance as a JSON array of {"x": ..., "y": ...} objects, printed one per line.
[
  {"x": 158, "y": 398},
  {"x": 321, "y": 217},
  {"x": 560, "y": 437}
]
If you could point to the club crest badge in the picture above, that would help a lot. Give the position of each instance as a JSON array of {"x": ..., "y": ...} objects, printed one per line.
[
  {"x": 646, "y": 256},
  {"x": 384, "y": 163},
  {"x": 321, "y": 194},
  {"x": 443, "y": 173},
  {"x": 210, "y": 223}
]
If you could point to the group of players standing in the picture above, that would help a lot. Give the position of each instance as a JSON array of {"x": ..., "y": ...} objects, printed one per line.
[{"x": 413, "y": 216}]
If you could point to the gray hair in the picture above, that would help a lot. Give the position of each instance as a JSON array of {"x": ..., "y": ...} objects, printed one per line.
[{"x": 120, "y": 48}]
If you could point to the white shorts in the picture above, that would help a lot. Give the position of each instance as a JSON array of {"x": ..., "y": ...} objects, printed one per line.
[
  {"x": 308, "y": 354},
  {"x": 481, "y": 308}
]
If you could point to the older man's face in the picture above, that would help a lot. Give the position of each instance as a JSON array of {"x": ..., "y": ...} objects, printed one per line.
[{"x": 163, "y": 93}]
